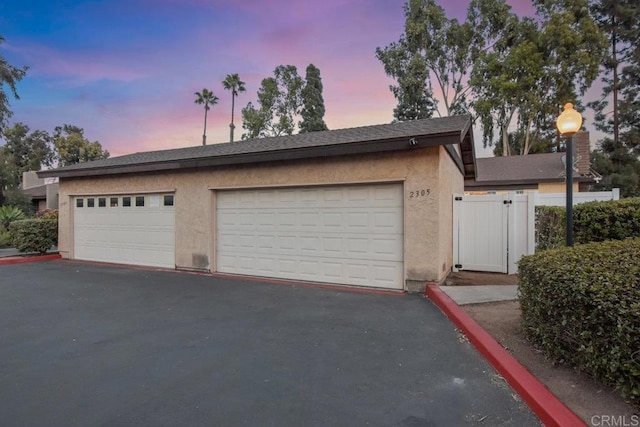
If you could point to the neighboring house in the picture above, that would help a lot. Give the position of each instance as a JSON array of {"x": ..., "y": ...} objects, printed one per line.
[
  {"x": 542, "y": 172},
  {"x": 43, "y": 196},
  {"x": 368, "y": 206}
]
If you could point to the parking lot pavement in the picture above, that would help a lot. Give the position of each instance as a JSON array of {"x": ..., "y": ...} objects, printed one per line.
[{"x": 84, "y": 345}]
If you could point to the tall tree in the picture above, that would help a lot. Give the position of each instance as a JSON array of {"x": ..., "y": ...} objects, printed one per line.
[
  {"x": 432, "y": 48},
  {"x": 503, "y": 80},
  {"x": 534, "y": 67},
  {"x": 24, "y": 151},
  {"x": 206, "y": 98},
  {"x": 616, "y": 157},
  {"x": 280, "y": 102},
  {"x": 312, "y": 102},
  {"x": 72, "y": 147},
  {"x": 9, "y": 75},
  {"x": 233, "y": 83}
]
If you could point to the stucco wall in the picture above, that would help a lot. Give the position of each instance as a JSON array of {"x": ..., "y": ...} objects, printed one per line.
[
  {"x": 555, "y": 187},
  {"x": 450, "y": 182},
  {"x": 427, "y": 217}
]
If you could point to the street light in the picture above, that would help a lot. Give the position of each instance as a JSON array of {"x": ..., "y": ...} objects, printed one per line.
[{"x": 569, "y": 122}]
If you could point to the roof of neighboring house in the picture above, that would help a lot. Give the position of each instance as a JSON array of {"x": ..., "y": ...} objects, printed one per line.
[
  {"x": 445, "y": 131},
  {"x": 522, "y": 170},
  {"x": 39, "y": 192}
]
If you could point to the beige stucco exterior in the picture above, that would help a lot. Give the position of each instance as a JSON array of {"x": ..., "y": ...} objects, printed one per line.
[
  {"x": 427, "y": 218},
  {"x": 556, "y": 187}
]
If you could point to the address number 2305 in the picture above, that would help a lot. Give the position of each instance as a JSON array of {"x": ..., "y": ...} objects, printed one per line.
[{"x": 419, "y": 193}]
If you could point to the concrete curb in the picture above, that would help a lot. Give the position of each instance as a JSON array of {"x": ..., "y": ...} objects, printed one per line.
[
  {"x": 23, "y": 260},
  {"x": 550, "y": 410}
]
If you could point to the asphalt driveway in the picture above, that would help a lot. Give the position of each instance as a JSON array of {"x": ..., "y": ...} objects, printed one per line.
[{"x": 85, "y": 345}]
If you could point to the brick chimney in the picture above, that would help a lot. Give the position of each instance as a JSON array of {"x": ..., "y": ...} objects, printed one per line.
[{"x": 582, "y": 152}]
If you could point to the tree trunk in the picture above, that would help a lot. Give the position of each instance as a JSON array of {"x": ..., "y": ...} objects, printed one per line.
[
  {"x": 204, "y": 133},
  {"x": 505, "y": 141},
  {"x": 232, "y": 126},
  {"x": 616, "y": 122},
  {"x": 527, "y": 138}
]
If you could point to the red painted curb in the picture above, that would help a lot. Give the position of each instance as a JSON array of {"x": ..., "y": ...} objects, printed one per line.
[
  {"x": 550, "y": 410},
  {"x": 23, "y": 260}
]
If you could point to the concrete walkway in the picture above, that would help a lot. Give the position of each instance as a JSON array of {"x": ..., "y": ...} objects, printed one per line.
[
  {"x": 472, "y": 287},
  {"x": 482, "y": 293}
]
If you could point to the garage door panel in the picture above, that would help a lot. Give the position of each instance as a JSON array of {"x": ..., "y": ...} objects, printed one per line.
[
  {"x": 139, "y": 235},
  {"x": 343, "y": 234}
]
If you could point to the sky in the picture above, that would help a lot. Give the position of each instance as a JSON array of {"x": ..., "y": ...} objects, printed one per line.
[{"x": 126, "y": 72}]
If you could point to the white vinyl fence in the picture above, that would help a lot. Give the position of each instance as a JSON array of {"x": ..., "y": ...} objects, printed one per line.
[{"x": 492, "y": 232}]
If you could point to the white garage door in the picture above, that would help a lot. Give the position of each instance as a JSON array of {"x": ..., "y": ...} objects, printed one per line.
[
  {"x": 135, "y": 229},
  {"x": 349, "y": 235}
]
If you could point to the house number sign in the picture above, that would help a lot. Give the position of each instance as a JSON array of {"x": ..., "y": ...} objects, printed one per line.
[{"x": 419, "y": 193}]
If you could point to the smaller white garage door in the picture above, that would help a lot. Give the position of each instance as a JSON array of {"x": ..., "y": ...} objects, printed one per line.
[
  {"x": 349, "y": 235},
  {"x": 135, "y": 229}
]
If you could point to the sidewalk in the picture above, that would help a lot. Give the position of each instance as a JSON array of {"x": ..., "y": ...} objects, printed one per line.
[
  {"x": 469, "y": 287},
  {"x": 482, "y": 293}
]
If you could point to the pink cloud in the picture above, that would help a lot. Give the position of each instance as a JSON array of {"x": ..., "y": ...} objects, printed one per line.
[{"x": 79, "y": 67}]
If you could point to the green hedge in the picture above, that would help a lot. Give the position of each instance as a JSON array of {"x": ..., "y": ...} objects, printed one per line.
[
  {"x": 613, "y": 220},
  {"x": 34, "y": 235},
  {"x": 581, "y": 306},
  {"x": 592, "y": 222},
  {"x": 551, "y": 224}
]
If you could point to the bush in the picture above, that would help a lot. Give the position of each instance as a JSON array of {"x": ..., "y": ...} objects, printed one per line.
[
  {"x": 550, "y": 227},
  {"x": 47, "y": 214},
  {"x": 581, "y": 306},
  {"x": 34, "y": 235},
  {"x": 9, "y": 214},
  {"x": 5, "y": 239},
  {"x": 592, "y": 222},
  {"x": 613, "y": 220}
]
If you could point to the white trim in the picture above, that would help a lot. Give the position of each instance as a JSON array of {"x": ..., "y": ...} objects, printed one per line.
[
  {"x": 311, "y": 184},
  {"x": 120, "y": 193}
]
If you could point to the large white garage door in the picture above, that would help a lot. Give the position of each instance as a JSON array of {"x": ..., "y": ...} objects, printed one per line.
[
  {"x": 135, "y": 229},
  {"x": 349, "y": 235}
]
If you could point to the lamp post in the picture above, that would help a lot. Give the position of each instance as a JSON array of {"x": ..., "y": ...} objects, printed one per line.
[{"x": 569, "y": 122}]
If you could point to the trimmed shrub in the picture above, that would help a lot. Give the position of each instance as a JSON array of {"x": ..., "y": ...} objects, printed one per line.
[
  {"x": 550, "y": 227},
  {"x": 592, "y": 222},
  {"x": 34, "y": 235},
  {"x": 612, "y": 220},
  {"x": 581, "y": 306}
]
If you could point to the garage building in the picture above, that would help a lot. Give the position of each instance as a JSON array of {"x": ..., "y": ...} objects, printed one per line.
[{"x": 368, "y": 206}]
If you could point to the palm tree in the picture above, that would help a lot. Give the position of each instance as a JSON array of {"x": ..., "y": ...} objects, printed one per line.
[
  {"x": 233, "y": 83},
  {"x": 207, "y": 98}
]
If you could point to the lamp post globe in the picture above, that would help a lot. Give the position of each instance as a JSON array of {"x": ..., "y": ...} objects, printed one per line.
[{"x": 568, "y": 123}]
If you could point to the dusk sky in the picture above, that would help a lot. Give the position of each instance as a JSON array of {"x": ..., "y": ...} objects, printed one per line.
[{"x": 126, "y": 71}]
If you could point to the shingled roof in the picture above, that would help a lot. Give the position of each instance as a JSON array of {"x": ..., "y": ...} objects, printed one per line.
[
  {"x": 494, "y": 172},
  {"x": 445, "y": 131}
]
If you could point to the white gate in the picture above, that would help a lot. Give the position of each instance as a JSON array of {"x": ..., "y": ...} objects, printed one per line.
[
  {"x": 482, "y": 233},
  {"x": 492, "y": 232}
]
